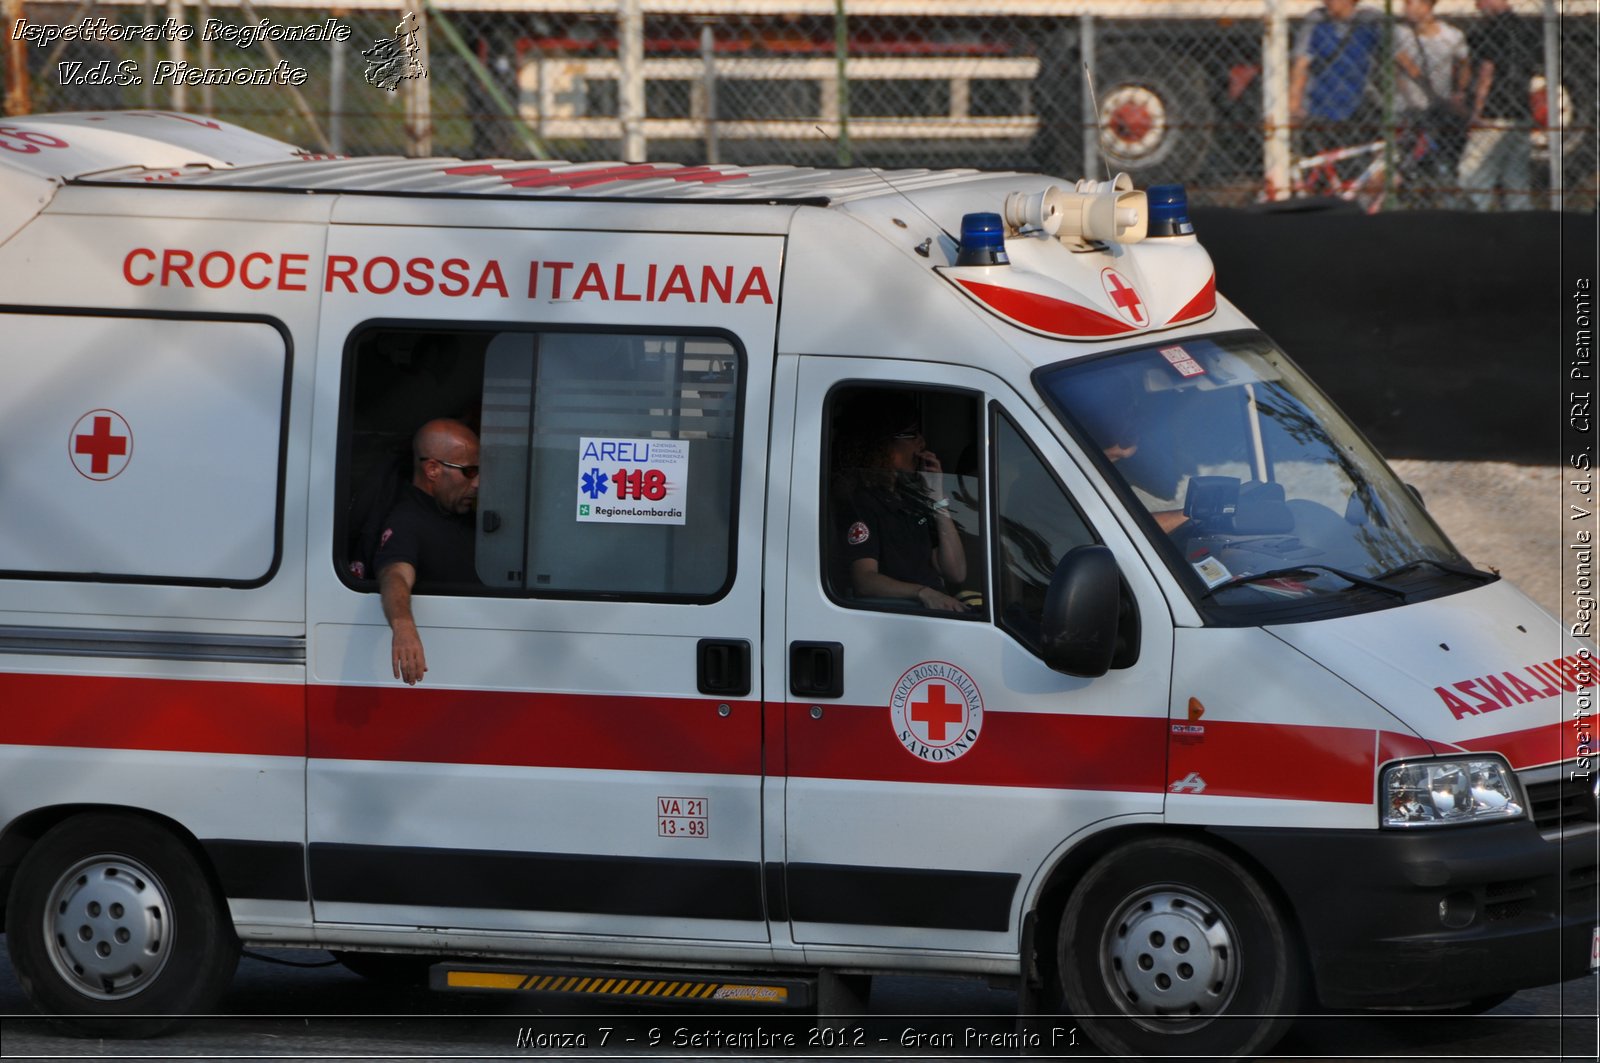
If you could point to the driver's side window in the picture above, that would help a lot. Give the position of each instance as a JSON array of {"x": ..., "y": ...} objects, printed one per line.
[{"x": 903, "y": 513}]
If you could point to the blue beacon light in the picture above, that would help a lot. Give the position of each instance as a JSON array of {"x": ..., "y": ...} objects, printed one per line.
[
  {"x": 1169, "y": 211},
  {"x": 983, "y": 241}
]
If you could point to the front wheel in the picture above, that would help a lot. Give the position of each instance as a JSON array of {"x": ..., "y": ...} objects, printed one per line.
[
  {"x": 113, "y": 926},
  {"x": 1168, "y": 946}
]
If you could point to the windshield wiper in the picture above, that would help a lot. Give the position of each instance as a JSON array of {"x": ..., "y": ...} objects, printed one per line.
[
  {"x": 1446, "y": 566},
  {"x": 1300, "y": 570}
]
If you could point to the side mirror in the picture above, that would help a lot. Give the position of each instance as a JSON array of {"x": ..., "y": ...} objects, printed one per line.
[{"x": 1078, "y": 630}]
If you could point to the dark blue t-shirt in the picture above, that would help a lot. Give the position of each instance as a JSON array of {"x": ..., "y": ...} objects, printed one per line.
[{"x": 1341, "y": 55}]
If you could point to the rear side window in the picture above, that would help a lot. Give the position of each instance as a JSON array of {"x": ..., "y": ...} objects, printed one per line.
[
  {"x": 608, "y": 460},
  {"x": 142, "y": 449}
]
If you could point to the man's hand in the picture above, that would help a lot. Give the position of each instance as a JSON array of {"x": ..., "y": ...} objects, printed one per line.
[
  {"x": 405, "y": 655},
  {"x": 938, "y": 600}
]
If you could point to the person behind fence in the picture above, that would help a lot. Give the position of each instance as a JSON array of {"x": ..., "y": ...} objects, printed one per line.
[
  {"x": 492, "y": 136},
  {"x": 429, "y": 539},
  {"x": 1430, "y": 58},
  {"x": 1329, "y": 94},
  {"x": 895, "y": 529},
  {"x": 1504, "y": 50}
]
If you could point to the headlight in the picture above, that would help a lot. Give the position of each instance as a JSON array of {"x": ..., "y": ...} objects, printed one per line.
[{"x": 1433, "y": 793}]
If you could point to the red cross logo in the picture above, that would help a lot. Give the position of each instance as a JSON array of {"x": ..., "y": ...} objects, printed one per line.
[
  {"x": 101, "y": 444},
  {"x": 936, "y": 713},
  {"x": 1122, "y": 294}
]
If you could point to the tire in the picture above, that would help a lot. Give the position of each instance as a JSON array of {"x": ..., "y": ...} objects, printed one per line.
[
  {"x": 1170, "y": 947},
  {"x": 114, "y": 928},
  {"x": 1156, "y": 118},
  {"x": 389, "y": 969}
]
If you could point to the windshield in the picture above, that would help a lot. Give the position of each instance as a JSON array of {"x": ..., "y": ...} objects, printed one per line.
[{"x": 1261, "y": 497}]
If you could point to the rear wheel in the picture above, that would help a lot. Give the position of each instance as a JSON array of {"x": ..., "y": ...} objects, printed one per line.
[
  {"x": 113, "y": 926},
  {"x": 1169, "y": 947}
]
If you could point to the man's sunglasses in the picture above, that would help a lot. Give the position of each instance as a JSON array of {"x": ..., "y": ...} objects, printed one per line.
[{"x": 469, "y": 471}]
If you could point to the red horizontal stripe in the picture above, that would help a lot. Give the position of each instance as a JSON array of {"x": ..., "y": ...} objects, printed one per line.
[
  {"x": 1054, "y": 316},
  {"x": 1535, "y": 746},
  {"x": 1054, "y": 751},
  {"x": 187, "y": 716},
  {"x": 1239, "y": 759},
  {"x": 535, "y": 730},
  {"x": 1046, "y": 750}
]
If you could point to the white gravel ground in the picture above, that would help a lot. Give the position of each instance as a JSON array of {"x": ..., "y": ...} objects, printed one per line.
[{"x": 1511, "y": 518}]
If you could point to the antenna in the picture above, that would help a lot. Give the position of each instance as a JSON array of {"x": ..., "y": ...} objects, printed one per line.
[
  {"x": 1094, "y": 101},
  {"x": 911, "y": 202}
]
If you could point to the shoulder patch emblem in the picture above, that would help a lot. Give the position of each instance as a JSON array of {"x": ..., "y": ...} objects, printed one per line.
[
  {"x": 857, "y": 534},
  {"x": 387, "y": 532}
]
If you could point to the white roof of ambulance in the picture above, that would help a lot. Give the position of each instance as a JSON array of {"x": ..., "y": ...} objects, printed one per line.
[
  {"x": 99, "y": 157},
  {"x": 157, "y": 147}
]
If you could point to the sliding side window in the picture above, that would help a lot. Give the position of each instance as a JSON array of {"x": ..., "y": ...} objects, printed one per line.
[{"x": 608, "y": 460}]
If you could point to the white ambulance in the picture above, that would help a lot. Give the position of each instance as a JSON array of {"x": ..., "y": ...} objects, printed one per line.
[{"x": 1200, "y": 723}]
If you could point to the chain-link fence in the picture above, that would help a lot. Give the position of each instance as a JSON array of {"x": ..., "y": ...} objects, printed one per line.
[{"x": 1386, "y": 102}]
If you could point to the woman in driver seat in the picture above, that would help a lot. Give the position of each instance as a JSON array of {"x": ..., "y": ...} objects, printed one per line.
[{"x": 894, "y": 526}]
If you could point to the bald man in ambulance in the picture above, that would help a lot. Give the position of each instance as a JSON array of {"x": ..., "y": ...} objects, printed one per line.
[{"x": 429, "y": 541}]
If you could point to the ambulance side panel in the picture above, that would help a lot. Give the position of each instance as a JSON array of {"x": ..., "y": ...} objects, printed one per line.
[
  {"x": 563, "y": 774},
  {"x": 152, "y": 571}
]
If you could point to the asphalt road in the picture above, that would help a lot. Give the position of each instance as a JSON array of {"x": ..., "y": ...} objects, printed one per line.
[{"x": 325, "y": 1012}]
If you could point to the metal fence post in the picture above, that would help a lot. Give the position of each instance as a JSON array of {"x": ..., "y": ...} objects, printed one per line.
[
  {"x": 175, "y": 52},
  {"x": 630, "y": 86},
  {"x": 1276, "y": 150},
  {"x": 149, "y": 58},
  {"x": 208, "y": 96},
  {"x": 336, "y": 95},
  {"x": 1089, "y": 109},
  {"x": 841, "y": 62},
  {"x": 1552, "y": 101},
  {"x": 708, "y": 61},
  {"x": 1391, "y": 158},
  {"x": 419, "y": 103},
  {"x": 16, "y": 53}
]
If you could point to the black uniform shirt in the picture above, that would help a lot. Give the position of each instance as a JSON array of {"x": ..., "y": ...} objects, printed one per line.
[
  {"x": 898, "y": 532},
  {"x": 1515, "y": 45},
  {"x": 439, "y": 545}
]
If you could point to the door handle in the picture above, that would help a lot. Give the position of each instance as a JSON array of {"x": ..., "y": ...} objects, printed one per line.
[
  {"x": 816, "y": 669},
  {"x": 722, "y": 667}
]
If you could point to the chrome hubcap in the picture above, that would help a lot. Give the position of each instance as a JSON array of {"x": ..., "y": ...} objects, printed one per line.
[
  {"x": 108, "y": 927},
  {"x": 1169, "y": 957}
]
